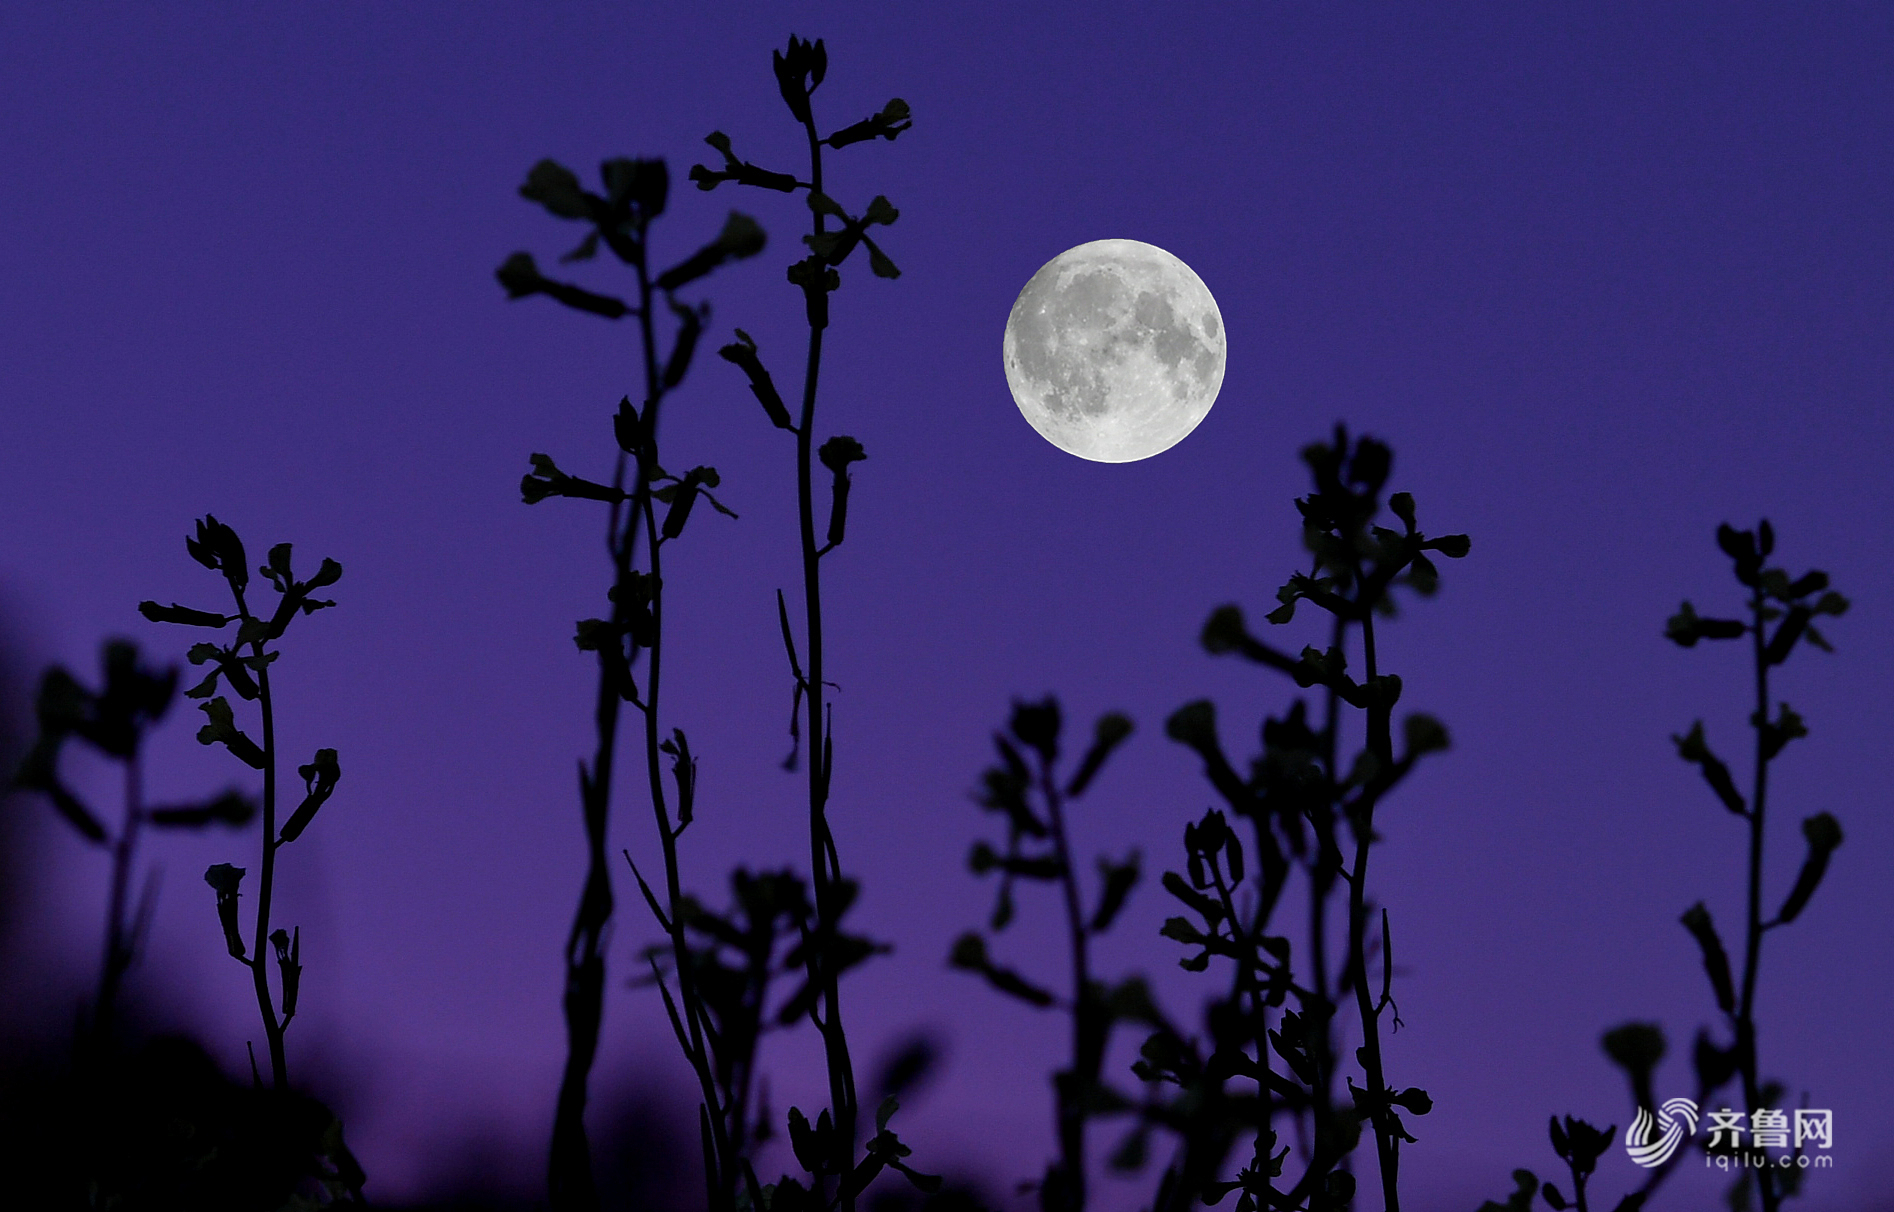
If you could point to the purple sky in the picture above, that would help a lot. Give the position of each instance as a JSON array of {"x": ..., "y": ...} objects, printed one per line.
[{"x": 1603, "y": 279}]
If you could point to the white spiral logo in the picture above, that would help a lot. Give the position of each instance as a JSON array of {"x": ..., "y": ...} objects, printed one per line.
[{"x": 1671, "y": 1117}]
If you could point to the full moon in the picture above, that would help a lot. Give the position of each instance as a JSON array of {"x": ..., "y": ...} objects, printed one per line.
[{"x": 1114, "y": 351}]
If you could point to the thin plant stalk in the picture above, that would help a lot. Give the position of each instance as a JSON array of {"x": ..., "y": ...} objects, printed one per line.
[
  {"x": 273, "y": 1028},
  {"x": 1753, "y": 920},
  {"x": 827, "y": 1148},
  {"x": 1087, "y": 1040},
  {"x": 122, "y": 937},
  {"x": 243, "y": 665},
  {"x": 635, "y": 193},
  {"x": 1381, "y": 745}
]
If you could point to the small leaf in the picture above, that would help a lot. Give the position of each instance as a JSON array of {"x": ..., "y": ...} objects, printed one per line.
[
  {"x": 319, "y": 780},
  {"x": 1823, "y": 833},
  {"x": 691, "y": 326},
  {"x": 628, "y": 427},
  {"x": 224, "y": 879},
  {"x": 289, "y": 962},
  {"x": 889, "y": 123},
  {"x": 1787, "y": 633},
  {"x": 1831, "y": 603},
  {"x": 836, "y": 454},
  {"x": 585, "y": 250},
  {"x": 822, "y": 204},
  {"x": 1812, "y": 582},
  {"x": 217, "y": 547},
  {"x": 232, "y": 808},
  {"x": 1424, "y": 734},
  {"x": 969, "y": 953},
  {"x": 183, "y": 614},
  {"x": 546, "y": 480},
  {"x": 741, "y": 237},
  {"x": 808, "y": 1146},
  {"x": 742, "y": 353},
  {"x": 878, "y": 261},
  {"x": 222, "y": 730},
  {"x": 1788, "y": 726},
  {"x": 1120, "y": 879},
  {"x": 1453, "y": 546},
  {"x": 1414, "y": 1099},
  {"x": 1693, "y": 748},
  {"x": 684, "y": 771},
  {"x": 76, "y": 813},
  {"x": 1037, "y": 725},
  {"x": 556, "y": 187},
  {"x": 642, "y": 184},
  {"x": 1110, "y": 732},
  {"x": 1179, "y": 928},
  {"x": 520, "y": 275},
  {"x": 1716, "y": 962}
]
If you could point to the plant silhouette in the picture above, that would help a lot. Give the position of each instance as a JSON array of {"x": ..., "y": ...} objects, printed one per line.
[
  {"x": 825, "y": 1147},
  {"x": 243, "y": 665},
  {"x": 722, "y": 965},
  {"x": 634, "y": 194},
  {"x": 1304, "y": 811},
  {"x": 1781, "y": 617},
  {"x": 156, "y": 1125},
  {"x": 1265, "y": 1094},
  {"x": 1033, "y": 800},
  {"x": 1297, "y": 801},
  {"x": 115, "y": 720}
]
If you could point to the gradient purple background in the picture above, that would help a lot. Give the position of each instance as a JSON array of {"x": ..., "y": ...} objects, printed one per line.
[{"x": 1603, "y": 279}]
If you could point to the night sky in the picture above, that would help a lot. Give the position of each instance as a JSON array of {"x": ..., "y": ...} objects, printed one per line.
[{"x": 1604, "y": 276}]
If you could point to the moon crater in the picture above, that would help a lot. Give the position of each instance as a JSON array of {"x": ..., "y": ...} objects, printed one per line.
[{"x": 1114, "y": 351}]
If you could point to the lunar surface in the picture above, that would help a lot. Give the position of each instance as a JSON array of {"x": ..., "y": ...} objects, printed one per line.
[{"x": 1114, "y": 351}]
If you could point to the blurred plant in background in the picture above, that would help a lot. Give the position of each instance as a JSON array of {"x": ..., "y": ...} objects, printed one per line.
[
  {"x": 114, "y": 721},
  {"x": 1033, "y": 800}
]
